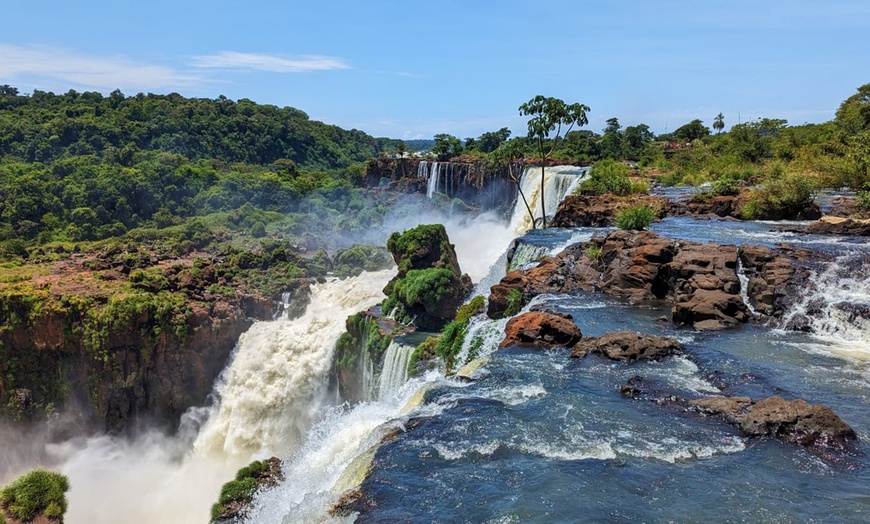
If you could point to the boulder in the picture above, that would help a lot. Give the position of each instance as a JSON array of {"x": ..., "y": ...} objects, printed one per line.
[
  {"x": 628, "y": 346},
  {"x": 429, "y": 285},
  {"x": 840, "y": 226},
  {"x": 590, "y": 209},
  {"x": 791, "y": 420},
  {"x": 538, "y": 329}
]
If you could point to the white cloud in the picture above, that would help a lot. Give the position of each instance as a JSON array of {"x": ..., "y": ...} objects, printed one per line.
[
  {"x": 103, "y": 72},
  {"x": 261, "y": 62}
]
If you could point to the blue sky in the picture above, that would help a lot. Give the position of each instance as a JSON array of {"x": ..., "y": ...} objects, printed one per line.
[{"x": 413, "y": 69}]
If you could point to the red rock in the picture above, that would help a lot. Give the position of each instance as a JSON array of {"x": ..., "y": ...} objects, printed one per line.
[{"x": 538, "y": 329}]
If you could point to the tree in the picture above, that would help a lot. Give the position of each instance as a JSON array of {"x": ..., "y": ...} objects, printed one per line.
[
  {"x": 491, "y": 140},
  {"x": 511, "y": 154},
  {"x": 853, "y": 114},
  {"x": 719, "y": 123},
  {"x": 694, "y": 130},
  {"x": 446, "y": 146},
  {"x": 611, "y": 142},
  {"x": 550, "y": 114},
  {"x": 634, "y": 140}
]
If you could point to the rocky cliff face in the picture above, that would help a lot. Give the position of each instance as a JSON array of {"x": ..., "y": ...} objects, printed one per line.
[{"x": 138, "y": 365}]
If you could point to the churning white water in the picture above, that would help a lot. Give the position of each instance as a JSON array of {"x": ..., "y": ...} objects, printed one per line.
[
  {"x": 559, "y": 181},
  {"x": 836, "y": 306},
  {"x": 276, "y": 385},
  {"x": 270, "y": 395}
]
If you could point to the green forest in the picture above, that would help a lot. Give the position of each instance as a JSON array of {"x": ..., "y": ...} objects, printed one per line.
[{"x": 81, "y": 167}]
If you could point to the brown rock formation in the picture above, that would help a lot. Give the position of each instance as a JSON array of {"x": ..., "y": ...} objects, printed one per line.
[
  {"x": 791, "y": 420},
  {"x": 538, "y": 329},
  {"x": 700, "y": 280},
  {"x": 628, "y": 346},
  {"x": 597, "y": 210}
]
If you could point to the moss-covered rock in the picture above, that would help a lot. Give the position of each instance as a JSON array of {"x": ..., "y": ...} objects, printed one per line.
[
  {"x": 429, "y": 286},
  {"x": 38, "y": 493},
  {"x": 236, "y": 495},
  {"x": 356, "y": 259}
]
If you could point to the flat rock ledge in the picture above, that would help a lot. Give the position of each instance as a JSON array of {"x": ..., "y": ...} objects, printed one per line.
[
  {"x": 628, "y": 346},
  {"x": 790, "y": 420},
  {"x": 539, "y": 329}
]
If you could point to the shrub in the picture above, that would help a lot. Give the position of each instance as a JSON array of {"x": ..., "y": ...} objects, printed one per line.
[
  {"x": 635, "y": 217},
  {"x": 36, "y": 492},
  {"x": 863, "y": 202},
  {"x": 751, "y": 210},
  {"x": 593, "y": 252},
  {"x": 608, "y": 176},
  {"x": 514, "y": 302},
  {"x": 725, "y": 186}
]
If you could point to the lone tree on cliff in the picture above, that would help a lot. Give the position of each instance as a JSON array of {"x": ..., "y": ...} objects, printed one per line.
[
  {"x": 550, "y": 114},
  {"x": 511, "y": 155}
]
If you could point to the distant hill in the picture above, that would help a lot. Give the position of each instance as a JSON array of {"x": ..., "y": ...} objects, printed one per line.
[{"x": 42, "y": 127}]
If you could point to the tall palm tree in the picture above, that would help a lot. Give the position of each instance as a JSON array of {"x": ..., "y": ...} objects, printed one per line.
[{"x": 719, "y": 123}]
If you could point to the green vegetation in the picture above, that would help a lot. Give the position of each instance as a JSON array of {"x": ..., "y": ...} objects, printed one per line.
[
  {"x": 358, "y": 258},
  {"x": 37, "y": 492},
  {"x": 237, "y": 494},
  {"x": 608, "y": 176},
  {"x": 362, "y": 335},
  {"x": 421, "y": 243},
  {"x": 426, "y": 287},
  {"x": 779, "y": 197},
  {"x": 592, "y": 252},
  {"x": 514, "y": 302},
  {"x": 635, "y": 217}
]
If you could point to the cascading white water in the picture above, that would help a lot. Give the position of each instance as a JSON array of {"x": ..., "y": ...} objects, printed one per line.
[
  {"x": 836, "y": 304},
  {"x": 434, "y": 176},
  {"x": 395, "y": 369},
  {"x": 559, "y": 181},
  {"x": 276, "y": 385},
  {"x": 526, "y": 254},
  {"x": 744, "y": 287},
  {"x": 423, "y": 170}
]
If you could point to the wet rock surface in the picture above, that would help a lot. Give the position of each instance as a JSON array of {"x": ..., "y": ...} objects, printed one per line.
[
  {"x": 628, "y": 346},
  {"x": 538, "y": 329},
  {"x": 791, "y": 420},
  {"x": 699, "y": 280},
  {"x": 597, "y": 210}
]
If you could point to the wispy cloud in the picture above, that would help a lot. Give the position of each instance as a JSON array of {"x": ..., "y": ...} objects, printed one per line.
[
  {"x": 19, "y": 63},
  {"x": 261, "y": 62}
]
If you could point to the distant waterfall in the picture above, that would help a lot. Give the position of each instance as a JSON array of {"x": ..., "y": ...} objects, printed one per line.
[
  {"x": 559, "y": 181},
  {"x": 276, "y": 385},
  {"x": 836, "y": 306},
  {"x": 395, "y": 369},
  {"x": 434, "y": 176}
]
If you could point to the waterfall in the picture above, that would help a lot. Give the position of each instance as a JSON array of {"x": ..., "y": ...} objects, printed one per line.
[
  {"x": 423, "y": 170},
  {"x": 559, "y": 181},
  {"x": 526, "y": 254},
  {"x": 276, "y": 385},
  {"x": 395, "y": 369},
  {"x": 434, "y": 175},
  {"x": 744, "y": 287},
  {"x": 835, "y": 306}
]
